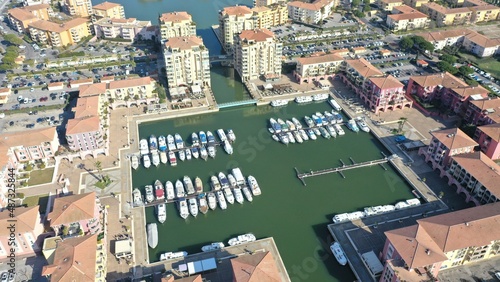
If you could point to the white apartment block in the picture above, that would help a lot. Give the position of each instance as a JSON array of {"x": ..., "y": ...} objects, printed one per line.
[
  {"x": 256, "y": 53},
  {"x": 310, "y": 13},
  {"x": 233, "y": 20},
  {"x": 130, "y": 29},
  {"x": 176, "y": 24}
]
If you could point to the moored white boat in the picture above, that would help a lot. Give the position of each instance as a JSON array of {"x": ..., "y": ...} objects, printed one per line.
[
  {"x": 188, "y": 185},
  {"x": 339, "y": 129},
  {"x": 238, "y": 195},
  {"x": 137, "y": 197},
  {"x": 203, "y": 138},
  {"x": 203, "y": 204},
  {"x": 351, "y": 124},
  {"x": 179, "y": 144},
  {"x": 320, "y": 97},
  {"x": 212, "y": 200},
  {"x": 324, "y": 133},
  {"x": 155, "y": 158},
  {"x": 356, "y": 215},
  {"x": 228, "y": 147},
  {"x": 335, "y": 105},
  {"x": 297, "y": 123},
  {"x": 146, "y": 161},
  {"x": 172, "y": 158},
  {"x": 230, "y": 135},
  {"x": 170, "y": 143},
  {"x": 236, "y": 172},
  {"x": 338, "y": 253},
  {"x": 214, "y": 182},
  {"x": 340, "y": 217},
  {"x": 362, "y": 125},
  {"x": 188, "y": 154},
  {"x": 283, "y": 125},
  {"x": 224, "y": 183},
  {"x": 232, "y": 180},
  {"x": 179, "y": 189},
  {"x": 169, "y": 187},
  {"x": 279, "y": 103},
  {"x": 193, "y": 207},
  {"x": 242, "y": 239},
  {"x": 210, "y": 137},
  {"x": 171, "y": 255},
  {"x": 182, "y": 155},
  {"x": 161, "y": 212},
  {"x": 229, "y": 195},
  {"x": 284, "y": 138},
  {"x": 275, "y": 138},
  {"x": 152, "y": 232},
  {"x": 134, "y": 160},
  {"x": 150, "y": 196},
  {"x": 290, "y": 124},
  {"x": 153, "y": 144},
  {"x": 330, "y": 118},
  {"x": 195, "y": 152},
  {"x": 194, "y": 139},
  {"x": 222, "y": 135},
  {"x": 183, "y": 208},
  {"x": 211, "y": 151},
  {"x": 159, "y": 190},
  {"x": 275, "y": 125},
  {"x": 254, "y": 186},
  {"x": 331, "y": 130},
  {"x": 297, "y": 137},
  {"x": 304, "y": 135},
  {"x": 338, "y": 117},
  {"x": 290, "y": 137},
  {"x": 143, "y": 147},
  {"x": 213, "y": 247},
  {"x": 309, "y": 121},
  {"x": 163, "y": 157},
  {"x": 247, "y": 193},
  {"x": 303, "y": 99},
  {"x": 198, "y": 185},
  {"x": 221, "y": 199},
  {"x": 203, "y": 153},
  {"x": 311, "y": 134},
  {"x": 162, "y": 143}
]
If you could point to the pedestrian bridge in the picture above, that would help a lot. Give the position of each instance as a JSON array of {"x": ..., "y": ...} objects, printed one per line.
[
  {"x": 236, "y": 104},
  {"x": 220, "y": 59}
]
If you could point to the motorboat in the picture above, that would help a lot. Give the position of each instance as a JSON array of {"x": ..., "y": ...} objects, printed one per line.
[
  {"x": 290, "y": 137},
  {"x": 283, "y": 125},
  {"x": 179, "y": 189},
  {"x": 242, "y": 239},
  {"x": 212, "y": 200},
  {"x": 203, "y": 204},
  {"x": 236, "y": 172},
  {"x": 275, "y": 138},
  {"x": 387, "y": 208},
  {"x": 340, "y": 217},
  {"x": 183, "y": 208},
  {"x": 338, "y": 253},
  {"x": 162, "y": 143},
  {"x": 317, "y": 120},
  {"x": 297, "y": 137},
  {"x": 339, "y": 129},
  {"x": 188, "y": 154},
  {"x": 247, "y": 193},
  {"x": 230, "y": 135},
  {"x": 362, "y": 125},
  {"x": 279, "y": 103},
  {"x": 213, "y": 247},
  {"x": 163, "y": 157},
  {"x": 203, "y": 138},
  {"x": 161, "y": 212},
  {"x": 413, "y": 202},
  {"x": 169, "y": 187},
  {"x": 232, "y": 180},
  {"x": 297, "y": 123},
  {"x": 228, "y": 147},
  {"x": 182, "y": 155},
  {"x": 275, "y": 125},
  {"x": 222, "y": 135},
  {"x": 195, "y": 152},
  {"x": 324, "y": 133},
  {"x": 146, "y": 161},
  {"x": 324, "y": 121},
  {"x": 316, "y": 131},
  {"x": 401, "y": 205},
  {"x": 303, "y": 99},
  {"x": 179, "y": 144},
  {"x": 150, "y": 196},
  {"x": 152, "y": 231},
  {"x": 284, "y": 138},
  {"x": 351, "y": 124},
  {"x": 214, "y": 181},
  {"x": 159, "y": 190},
  {"x": 290, "y": 125},
  {"x": 194, "y": 139},
  {"x": 155, "y": 158},
  {"x": 356, "y": 215},
  {"x": 188, "y": 184},
  {"x": 331, "y": 130},
  {"x": 309, "y": 121},
  {"x": 369, "y": 211},
  {"x": 238, "y": 195},
  {"x": 311, "y": 134},
  {"x": 171, "y": 255},
  {"x": 211, "y": 151},
  {"x": 338, "y": 117},
  {"x": 193, "y": 207},
  {"x": 254, "y": 186},
  {"x": 330, "y": 118},
  {"x": 153, "y": 144},
  {"x": 171, "y": 143},
  {"x": 320, "y": 97},
  {"x": 304, "y": 135},
  {"x": 221, "y": 199},
  {"x": 210, "y": 137},
  {"x": 143, "y": 147},
  {"x": 203, "y": 153},
  {"x": 172, "y": 159},
  {"x": 335, "y": 105},
  {"x": 224, "y": 183},
  {"x": 137, "y": 197},
  {"x": 134, "y": 160},
  {"x": 198, "y": 185}
]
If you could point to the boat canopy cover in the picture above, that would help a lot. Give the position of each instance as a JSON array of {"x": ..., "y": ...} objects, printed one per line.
[
  {"x": 373, "y": 263},
  {"x": 201, "y": 266}
]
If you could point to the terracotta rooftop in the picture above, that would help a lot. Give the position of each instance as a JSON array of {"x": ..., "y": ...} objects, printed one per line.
[
  {"x": 126, "y": 83},
  {"x": 258, "y": 267},
  {"x": 492, "y": 130},
  {"x": 83, "y": 125},
  {"x": 256, "y": 35},
  {"x": 364, "y": 68},
  {"x": 403, "y": 274},
  {"x": 74, "y": 260},
  {"x": 72, "y": 208},
  {"x": 175, "y": 17},
  {"x": 91, "y": 89},
  {"x": 105, "y": 6},
  {"x": 55, "y": 27},
  {"x": 25, "y": 13},
  {"x": 26, "y": 220},
  {"x": 484, "y": 8},
  {"x": 444, "y": 79},
  {"x": 184, "y": 42},
  {"x": 488, "y": 106},
  {"x": 406, "y": 13},
  {"x": 4, "y": 90},
  {"x": 387, "y": 82},
  {"x": 453, "y": 138},
  {"x": 446, "y": 11},
  {"x": 327, "y": 58},
  {"x": 482, "y": 168},
  {"x": 314, "y": 6},
  {"x": 86, "y": 107},
  {"x": 194, "y": 278},
  {"x": 476, "y": 2},
  {"x": 28, "y": 138},
  {"x": 482, "y": 40},
  {"x": 236, "y": 11},
  {"x": 465, "y": 92},
  {"x": 56, "y": 84},
  {"x": 80, "y": 81},
  {"x": 444, "y": 35},
  {"x": 392, "y": 1}
]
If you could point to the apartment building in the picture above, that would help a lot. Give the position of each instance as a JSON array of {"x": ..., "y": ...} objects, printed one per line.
[
  {"x": 260, "y": 3},
  {"x": 4, "y": 95},
  {"x": 58, "y": 35},
  {"x": 485, "y": 13},
  {"x": 233, "y": 20},
  {"x": 85, "y": 132},
  {"x": 481, "y": 112},
  {"x": 28, "y": 228},
  {"x": 108, "y": 10},
  {"x": 415, "y": 3},
  {"x": 420, "y": 251},
  {"x": 406, "y": 18},
  {"x": 257, "y": 54},
  {"x": 388, "y": 5},
  {"x": 176, "y": 24},
  {"x": 270, "y": 16},
  {"x": 130, "y": 29},
  {"x": 186, "y": 62},
  {"x": 316, "y": 68},
  {"x": 310, "y": 13},
  {"x": 447, "y": 16},
  {"x": 82, "y": 258},
  {"x": 481, "y": 45},
  {"x": 20, "y": 18},
  {"x": 488, "y": 137},
  {"x": 35, "y": 2},
  {"x": 78, "y": 8}
]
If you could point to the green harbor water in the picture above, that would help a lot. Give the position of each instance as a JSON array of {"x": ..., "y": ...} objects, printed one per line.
[{"x": 295, "y": 215}]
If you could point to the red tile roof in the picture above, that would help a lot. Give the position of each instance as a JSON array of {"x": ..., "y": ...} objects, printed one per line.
[
  {"x": 26, "y": 219},
  {"x": 72, "y": 208},
  {"x": 255, "y": 268},
  {"x": 482, "y": 168},
  {"x": 256, "y": 35},
  {"x": 454, "y": 138}
]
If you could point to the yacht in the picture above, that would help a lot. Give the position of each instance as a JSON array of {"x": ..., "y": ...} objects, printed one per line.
[
  {"x": 238, "y": 195},
  {"x": 182, "y": 155},
  {"x": 324, "y": 133},
  {"x": 179, "y": 144},
  {"x": 211, "y": 151},
  {"x": 228, "y": 147},
  {"x": 134, "y": 161},
  {"x": 162, "y": 143},
  {"x": 230, "y": 135},
  {"x": 290, "y": 125},
  {"x": 351, "y": 124},
  {"x": 188, "y": 154},
  {"x": 279, "y": 103},
  {"x": 195, "y": 140},
  {"x": 316, "y": 131},
  {"x": 242, "y": 239},
  {"x": 401, "y": 205},
  {"x": 171, "y": 255},
  {"x": 303, "y": 99},
  {"x": 213, "y": 247},
  {"x": 330, "y": 118},
  {"x": 247, "y": 193},
  {"x": 298, "y": 137},
  {"x": 214, "y": 181},
  {"x": 297, "y": 123},
  {"x": 322, "y": 117},
  {"x": 183, "y": 208},
  {"x": 150, "y": 196},
  {"x": 317, "y": 120},
  {"x": 159, "y": 190},
  {"x": 356, "y": 215},
  {"x": 172, "y": 159},
  {"x": 222, "y": 135},
  {"x": 335, "y": 105},
  {"x": 275, "y": 125},
  {"x": 252, "y": 183},
  {"x": 221, "y": 200},
  {"x": 362, "y": 125},
  {"x": 232, "y": 180},
  {"x": 163, "y": 157},
  {"x": 195, "y": 152},
  {"x": 311, "y": 134},
  {"x": 203, "y": 138},
  {"x": 223, "y": 180},
  {"x": 155, "y": 158},
  {"x": 188, "y": 184},
  {"x": 146, "y": 161},
  {"x": 193, "y": 207},
  {"x": 284, "y": 138},
  {"x": 236, "y": 172},
  {"x": 203, "y": 204},
  {"x": 153, "y": 144},
  {"x": 210, "y": 137},
  {"x": 339, "y": 129},
  {"x": 340, "y": 217},
  {"x": 320, "y": 97},
  {"x": 338, "y": 253},
  {"x": 304, "y": 135},
  {"x": 137, "y": 197},
  {"x": 169, "y": 187},
  {"x": 203, "y": 153},
  {"x": 152, "y": 235},
  {"x": 283, "y": 125},
  {"x": 413, "y": 202},
  {"x": 387, "y": 208},
  {"x": 338, "y": 117},
  {"x": 143, "y": 147},
  {"x": 179, "y": 189},
  {"x": 229, "y": 195},
  {"x": 171, "y": 143},
  {"x": 373, "y": 210},
  {"x": 309, "y": 121},
  {"x": 275, "y": 138},
  {"x": 198, "y": 185},
  {"x": 331, "y": 130},
  {"x": 290, "y": 137},
  {"x": 161, "y": 212},
  {"x": 212, "y": 200}
]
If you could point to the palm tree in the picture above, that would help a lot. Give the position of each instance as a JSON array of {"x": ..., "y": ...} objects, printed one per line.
[
  {"x": 98, "y": 166},
  {"x": 402, "y": 121}
]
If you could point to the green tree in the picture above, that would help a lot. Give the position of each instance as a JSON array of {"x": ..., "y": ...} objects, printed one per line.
[
  {"x": 465, "y": 70},
  {"x": 98, "y": 166},
  {"x": 65, "y": 230},
  {"x": 402, "y": 121},
  {"x": 445, "y": 66},
  {"x": 355, "y": 3},
  {"x": 406, "y": 43},
  {"x": 367, "y": 8},
  {"x": 358, "y": 14},
  {"x": 13, "y": 39},
  {"x": 448, "y": 58}
]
